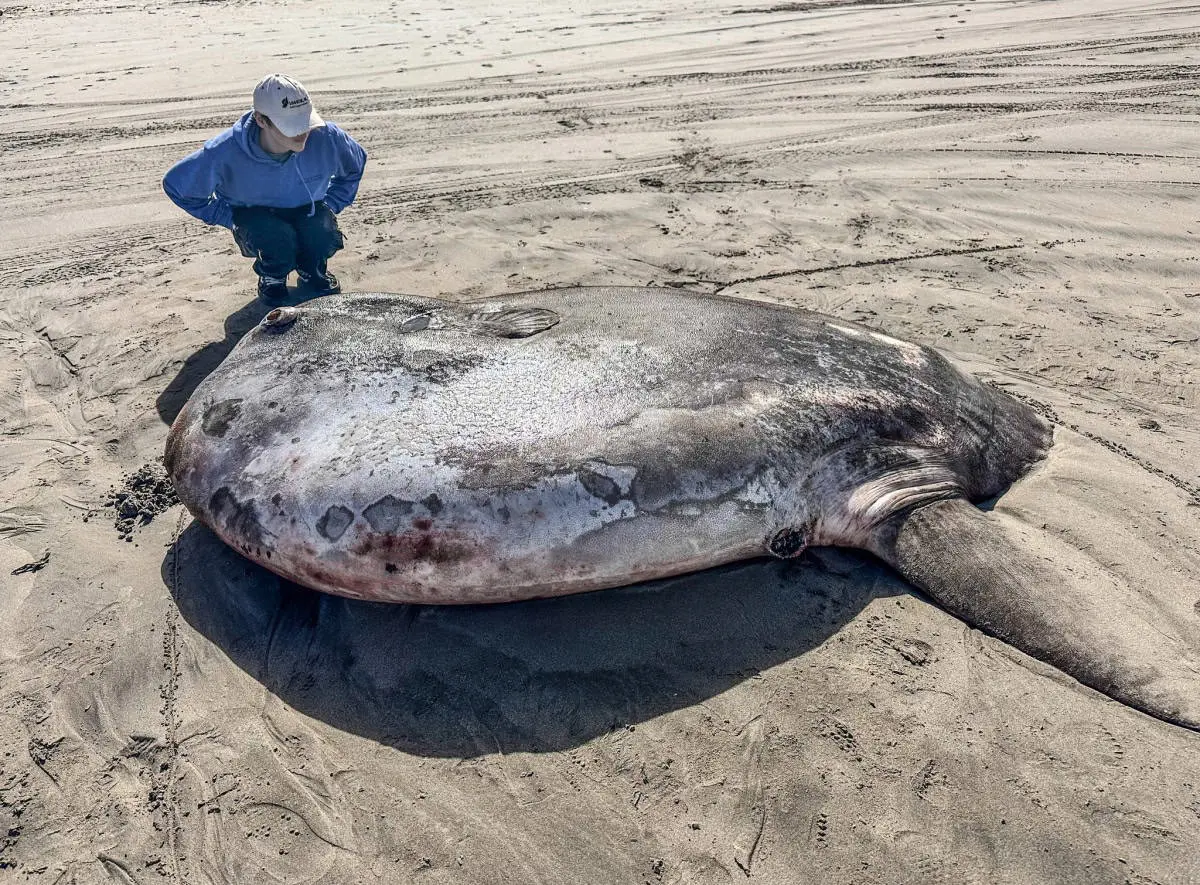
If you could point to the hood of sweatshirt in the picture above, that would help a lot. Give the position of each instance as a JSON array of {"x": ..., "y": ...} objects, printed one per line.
[{"x": 245, "y": 133}]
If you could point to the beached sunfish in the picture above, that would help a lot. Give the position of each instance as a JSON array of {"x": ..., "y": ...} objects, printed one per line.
[{"x": 408, "y": 449}]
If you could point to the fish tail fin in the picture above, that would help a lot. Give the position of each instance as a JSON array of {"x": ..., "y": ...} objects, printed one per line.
[{"x": 1051, "y": 601}]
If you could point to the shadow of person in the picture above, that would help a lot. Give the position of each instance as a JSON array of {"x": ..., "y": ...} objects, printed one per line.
[
  {"x": 461, "y": 681},
  {"x": 198, "y": 366}
]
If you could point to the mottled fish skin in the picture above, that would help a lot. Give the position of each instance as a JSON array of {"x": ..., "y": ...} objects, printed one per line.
[{"x": 410, "y": 449}]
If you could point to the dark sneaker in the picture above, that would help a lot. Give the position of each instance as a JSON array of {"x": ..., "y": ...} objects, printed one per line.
[
  {"x": 320, "y": 285},
  {"x": 272, "y": 291}
]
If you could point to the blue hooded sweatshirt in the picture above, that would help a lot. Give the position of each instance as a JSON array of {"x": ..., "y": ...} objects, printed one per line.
[{"x": 232, "y": 170}]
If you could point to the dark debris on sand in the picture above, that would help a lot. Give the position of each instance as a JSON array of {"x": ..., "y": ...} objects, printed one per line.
[
  {"x": 142, "y": 495},
  {"x": 36, "y": 566}
]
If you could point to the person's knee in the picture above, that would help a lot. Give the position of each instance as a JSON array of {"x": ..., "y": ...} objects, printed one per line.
[
  {"x": 333, "y": 241},
  {"x": 321, "y": 236}
]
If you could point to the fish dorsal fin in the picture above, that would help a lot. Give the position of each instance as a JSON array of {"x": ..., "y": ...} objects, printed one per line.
[{"x": 514, "y": 322}]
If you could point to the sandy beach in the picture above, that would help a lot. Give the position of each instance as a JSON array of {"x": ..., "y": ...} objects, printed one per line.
[{"x": 1012, "y": 182}]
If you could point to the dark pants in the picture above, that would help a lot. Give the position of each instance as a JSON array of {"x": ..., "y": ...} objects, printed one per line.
[{"x": 283, "y": 240}]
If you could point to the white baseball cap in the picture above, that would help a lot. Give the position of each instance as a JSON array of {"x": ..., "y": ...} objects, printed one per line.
[{"x": 287, "y": 103}]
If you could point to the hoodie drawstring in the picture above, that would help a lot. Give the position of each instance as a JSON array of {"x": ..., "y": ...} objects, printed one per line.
[{"x": 312, "y": 204}]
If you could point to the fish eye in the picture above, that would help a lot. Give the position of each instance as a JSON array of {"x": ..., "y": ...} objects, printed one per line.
[{"x": 280, "y": 318}]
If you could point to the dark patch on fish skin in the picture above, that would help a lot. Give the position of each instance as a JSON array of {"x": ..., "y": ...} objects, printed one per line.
[
  {"x": 907, "y": 419},
  {"x": 239, "y": 518},
  {"x": 424, "y": 546},
  {"x": 494, "y": 470},
  {"x": 354, "y": 586},
  {"x": 423, "y": 523},
  {"x": 433, "y": 504},
  {"x": 220, "y": 415},
  {"x": 176, "y": 449},
  {"x": 788, "y": 543},
  {"x": 446, "y": 369},
  {"x": 386, "y": 513},
  {"x": 375, "y": 569},
  {"x": 384, "y": 306},
  {"x": 656, "y": 485},
  {"x": 335, "y": 522},
  {"x": 599, "y": 486}
]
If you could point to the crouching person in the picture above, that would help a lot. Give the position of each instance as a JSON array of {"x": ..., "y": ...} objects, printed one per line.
[{"x": 277, "y": 179}]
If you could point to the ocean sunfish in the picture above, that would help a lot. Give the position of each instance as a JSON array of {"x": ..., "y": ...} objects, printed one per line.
[{"x": 407, "y": 449}]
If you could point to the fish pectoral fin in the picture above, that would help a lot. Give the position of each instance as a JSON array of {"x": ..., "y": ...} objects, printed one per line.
[
  {"x": 514, "y": 322},
  {"x": 1050, "y": 600}
]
